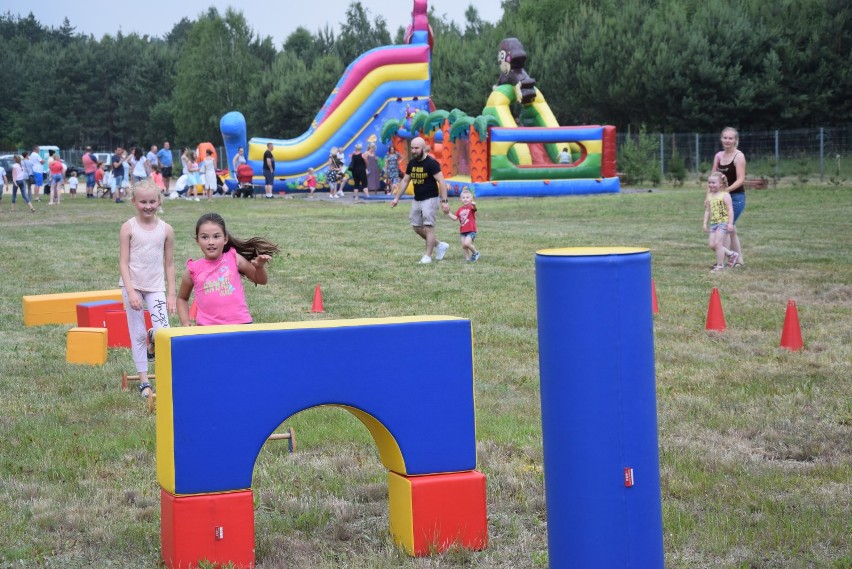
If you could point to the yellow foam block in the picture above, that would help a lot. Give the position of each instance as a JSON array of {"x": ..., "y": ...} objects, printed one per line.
[
  {"x": 61, "y": 308},
  {"x": 86, "y": 346}
]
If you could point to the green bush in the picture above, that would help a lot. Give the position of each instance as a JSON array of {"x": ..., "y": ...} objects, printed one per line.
[
  {"x": 676, "y": 170},
  {"x": 638, "y": 158}
]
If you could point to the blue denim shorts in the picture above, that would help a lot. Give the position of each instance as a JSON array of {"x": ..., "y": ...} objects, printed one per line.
[
  {"x": 738, "y": 200},
  {"x": 471, "y": 234},
  {"x": 723, "y": 227}
]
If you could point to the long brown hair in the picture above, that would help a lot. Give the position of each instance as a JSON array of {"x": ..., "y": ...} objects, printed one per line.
[{"x": 248, "y": 248}]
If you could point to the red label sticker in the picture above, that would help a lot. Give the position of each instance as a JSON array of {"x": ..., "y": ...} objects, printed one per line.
[{"x": 628, "y": 477}]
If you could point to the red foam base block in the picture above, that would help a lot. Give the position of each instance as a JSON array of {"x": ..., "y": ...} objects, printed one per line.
[
  {"x": 215, "y": 528},
  {"x": 118, "y": 334},
  {"x": 433, "y": 513},
  {"x": 93, "y": 314}
]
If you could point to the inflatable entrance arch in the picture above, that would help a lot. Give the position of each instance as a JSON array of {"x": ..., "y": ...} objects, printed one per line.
[{"x": 222, "y": 390}]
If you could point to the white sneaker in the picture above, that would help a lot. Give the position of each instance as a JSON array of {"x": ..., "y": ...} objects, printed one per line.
[
  {"x": 340, "y": 194},
  {"x": 441, "y": 250},
  {"x": 425, "y": 260}
]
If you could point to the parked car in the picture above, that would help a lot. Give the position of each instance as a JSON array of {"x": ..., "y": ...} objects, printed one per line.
[
  {"x": 104, "y": 158},
  {"x": 6, "y": 161}
]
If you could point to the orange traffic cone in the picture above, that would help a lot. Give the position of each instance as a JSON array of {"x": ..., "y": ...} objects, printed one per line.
[
  {"x": 715, "y": 316},
  {"x": 317, "y": 306},
  {"x": 791, "y": 335},
  {"x": 655, "y": 307}
]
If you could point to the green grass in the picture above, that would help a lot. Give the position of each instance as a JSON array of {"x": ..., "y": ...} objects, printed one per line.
[{"x": 755, "y": 442}]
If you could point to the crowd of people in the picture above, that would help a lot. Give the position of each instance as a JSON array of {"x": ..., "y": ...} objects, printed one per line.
[
  {"x": 113, "y": 176},
  {"x": 32, "y": 176},
  {"x": 146, "y": 251},
  {"x": 35, "y": 175}
]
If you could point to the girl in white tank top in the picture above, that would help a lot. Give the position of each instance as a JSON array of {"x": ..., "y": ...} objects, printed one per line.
[{"x": 146, "y": 259}]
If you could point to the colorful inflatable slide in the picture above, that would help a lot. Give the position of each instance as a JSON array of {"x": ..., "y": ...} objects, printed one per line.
[{"x": 391, "y": 82}]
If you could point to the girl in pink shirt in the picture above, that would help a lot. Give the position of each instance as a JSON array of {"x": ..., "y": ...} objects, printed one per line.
[{"x": 215, "y": 278}]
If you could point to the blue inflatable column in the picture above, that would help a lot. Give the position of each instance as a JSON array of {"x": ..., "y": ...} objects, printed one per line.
[
  {"x": 598, "y": 408},
  {"x": 233, "y": 127}
]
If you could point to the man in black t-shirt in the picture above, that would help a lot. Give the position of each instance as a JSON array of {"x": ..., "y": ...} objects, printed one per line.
[
  {"x": 268, "y": 170},
  {"x": 429, "y": 189}
]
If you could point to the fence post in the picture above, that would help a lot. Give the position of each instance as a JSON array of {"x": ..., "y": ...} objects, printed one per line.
[
  {"x": 697, "y": 157},
  {"x": 777, "y": 157},
  {"x": 821, "y": 153},
  {"x": 662, "y": 158}
]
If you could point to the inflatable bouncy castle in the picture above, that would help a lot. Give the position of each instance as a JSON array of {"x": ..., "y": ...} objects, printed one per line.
[{"x": 384, "y": 97}]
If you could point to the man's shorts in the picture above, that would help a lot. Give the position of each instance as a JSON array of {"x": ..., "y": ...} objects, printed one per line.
[
  {"x": 116, "y": 182},
  {"x": 269, "y": 177},
  {"x": 90, "y": 179},
  {"x": 166, "y": 171},
  {"x": 423, "y": 212},
  {"x": 38, "y": 178}
]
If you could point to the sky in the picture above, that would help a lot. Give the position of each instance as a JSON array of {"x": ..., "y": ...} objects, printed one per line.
[{"x": 274, "y": 18}]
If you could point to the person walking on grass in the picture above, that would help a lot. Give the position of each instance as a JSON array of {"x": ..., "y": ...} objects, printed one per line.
[
  {"x": 208, "y": 174},
  {"x": 430, "y": 193},
  {"x": 37, "y": 173},
  {"x": 90, "y": 167},
  {"x": 141, "y": 166},
  {"x": 374, "y": 173},
  {"x": 117, "y": 169},
  {"x": 358, "y": 167},
  {"x": 164, "y": 156},
  {"x": 311, "y": 183},
  {"x": 19, "y": 182},
  {"x": 215, "y": 278},
  {"x": 466, "y": 216},
  {"x": 732, "y": 164},
  {"x": 719, "y": 213},
  {"x": 57, "y": 179},
  {"x": 391, "y": 170},
  {"x": 268, "y": 171},
  {"x": 146, "y": 261},
  {"x": 73, "y": 183}
]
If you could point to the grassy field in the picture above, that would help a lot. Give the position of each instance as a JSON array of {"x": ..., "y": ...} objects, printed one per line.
[{"x": 755, "y": 442}]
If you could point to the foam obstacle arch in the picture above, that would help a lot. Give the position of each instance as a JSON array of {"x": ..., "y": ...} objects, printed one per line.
[{"x": 215, "y": 414}]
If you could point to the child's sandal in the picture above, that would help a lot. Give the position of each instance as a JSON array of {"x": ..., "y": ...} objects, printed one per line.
[
  {"x": 150, "y": 345},
  {"x": 146, "y": 386}
]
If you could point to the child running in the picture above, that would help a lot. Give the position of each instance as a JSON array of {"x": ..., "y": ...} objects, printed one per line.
[
  {"x": 208, "y": 172},
  {"x": 215, "y": 278},
  {"x": 146, "y": 257},
  {"x": 466, "y": 216},
  {"x": 73, "y": 182},
  {"x": 719, "y": 211},
  {"x": 311, "y": 183}
]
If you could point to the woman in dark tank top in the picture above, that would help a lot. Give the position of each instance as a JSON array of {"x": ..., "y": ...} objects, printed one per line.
[{"x": 731, "y": 163}]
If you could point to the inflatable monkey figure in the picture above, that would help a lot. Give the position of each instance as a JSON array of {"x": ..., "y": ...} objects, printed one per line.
[{"x": 511, "y": 58}]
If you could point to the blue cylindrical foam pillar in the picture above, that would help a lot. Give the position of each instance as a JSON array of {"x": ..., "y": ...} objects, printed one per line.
[{"x": 598, "y": 408}]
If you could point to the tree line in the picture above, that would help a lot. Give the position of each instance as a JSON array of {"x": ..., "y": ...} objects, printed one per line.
[{"x": 667, "y": 65}]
